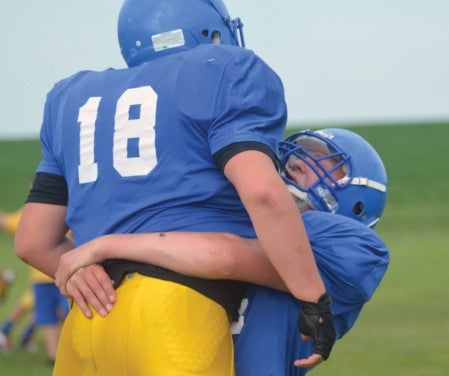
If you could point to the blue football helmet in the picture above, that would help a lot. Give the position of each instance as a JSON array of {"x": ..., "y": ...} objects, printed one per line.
[
  {"x": 360, "y": 194},
  {"x": 151, "y": 28}
]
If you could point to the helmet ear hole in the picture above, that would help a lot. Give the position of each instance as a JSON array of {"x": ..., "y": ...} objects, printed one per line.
[
  {"x": 216, "y": 37},
  {"x": 358, "y": 208}
]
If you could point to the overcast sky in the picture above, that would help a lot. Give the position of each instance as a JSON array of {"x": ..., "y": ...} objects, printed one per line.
[{"x": 341, "y": 61}]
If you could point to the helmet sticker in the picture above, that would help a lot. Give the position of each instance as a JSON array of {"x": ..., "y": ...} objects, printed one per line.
[{"x": 167, "y": 40}]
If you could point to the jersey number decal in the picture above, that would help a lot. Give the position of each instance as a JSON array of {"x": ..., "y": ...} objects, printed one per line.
[{"x": 140, "y": 128}]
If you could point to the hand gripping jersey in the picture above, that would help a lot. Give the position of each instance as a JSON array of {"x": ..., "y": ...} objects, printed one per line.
[
  {"x": 136, "y": 146},
  {"x": 352, "y": 260}
]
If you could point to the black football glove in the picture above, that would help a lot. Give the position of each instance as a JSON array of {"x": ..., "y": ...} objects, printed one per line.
[{"x": 315, "y": 320}]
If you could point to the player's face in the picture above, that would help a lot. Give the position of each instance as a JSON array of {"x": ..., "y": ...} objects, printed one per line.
[{"x": 303, "y": 174}]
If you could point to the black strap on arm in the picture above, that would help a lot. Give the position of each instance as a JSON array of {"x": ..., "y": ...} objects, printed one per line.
[
  {"x": 224, "y": 155},
  {"x": 48, "y": 189}
]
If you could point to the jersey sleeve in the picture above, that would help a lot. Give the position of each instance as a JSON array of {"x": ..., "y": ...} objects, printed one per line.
[
  {"x": 250, "y": 106},
  {"x": 352, "y": 260},
  {"x": 231, "y": 96},
  {"x": 52, "y": 132},
  {"x": 49, "y": 162}
]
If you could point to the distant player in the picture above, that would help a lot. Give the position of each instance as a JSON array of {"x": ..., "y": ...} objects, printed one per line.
[
  {"x": 43, "y": 300},
  {"x": 7, "y": 278}
]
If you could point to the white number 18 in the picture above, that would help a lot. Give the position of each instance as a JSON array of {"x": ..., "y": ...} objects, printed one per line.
[{"x": 141, "y": 128}]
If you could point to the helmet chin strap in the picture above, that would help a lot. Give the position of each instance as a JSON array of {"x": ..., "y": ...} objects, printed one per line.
[{"x": 302, "y": 201}]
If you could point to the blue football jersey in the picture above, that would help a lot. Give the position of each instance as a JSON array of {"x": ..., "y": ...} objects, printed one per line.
[
  {"x": 136, "y": 145},
  {"x": 352, "y": 260}
]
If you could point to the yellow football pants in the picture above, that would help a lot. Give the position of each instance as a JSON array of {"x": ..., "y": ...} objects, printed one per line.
[{"x": 156, "y": 328}]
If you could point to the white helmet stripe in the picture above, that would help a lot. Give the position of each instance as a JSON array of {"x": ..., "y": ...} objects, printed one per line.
[{"x": 369, "y": 183}]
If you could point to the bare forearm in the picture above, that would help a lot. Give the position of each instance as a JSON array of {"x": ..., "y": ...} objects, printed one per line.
[
  {"x": 277, "y": 222},
  {"x": 286, "y": 245},
  {"x": 47, "y": 260},
  {"x": 202, "y": 255},
  {"x": 41, "y": 237}
]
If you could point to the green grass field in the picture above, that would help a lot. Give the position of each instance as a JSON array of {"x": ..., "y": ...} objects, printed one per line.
[{"x": 404, "y": 330}]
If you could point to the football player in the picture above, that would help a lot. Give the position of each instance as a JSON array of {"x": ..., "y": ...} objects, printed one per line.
[
  {"x": 327, "y": 171},
  {"x": 46, "y": 303},
  {"x": 185, "y": 138},
  {"x": 6, "y": 280}
]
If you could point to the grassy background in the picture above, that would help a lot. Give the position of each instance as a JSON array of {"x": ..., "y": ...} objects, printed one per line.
[{"x": 404, "y": 330}]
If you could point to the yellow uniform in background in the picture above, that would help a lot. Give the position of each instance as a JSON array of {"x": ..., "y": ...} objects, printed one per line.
[{"x": 42, "y": 297}]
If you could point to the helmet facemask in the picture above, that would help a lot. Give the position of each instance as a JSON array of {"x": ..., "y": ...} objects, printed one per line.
[
  {"x": 329, "y": 166},
  {"x": 350, "y": 176}
]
